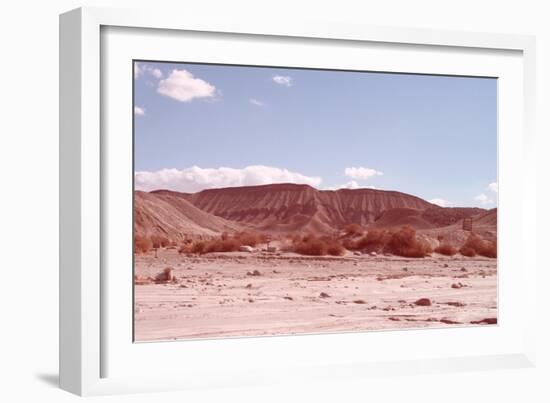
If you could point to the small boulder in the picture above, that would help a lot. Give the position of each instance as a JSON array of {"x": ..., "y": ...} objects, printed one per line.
[
  {"x": 166, "y": 276},
  {"x": 272, "y": 249},
  {"x": 324, "y": 295},
  {"x": 246, "y": 248},
  {"x": 373, "y": 254},
  {"x": 423, "y": 302},
  {"x": 253, "y": 273}
]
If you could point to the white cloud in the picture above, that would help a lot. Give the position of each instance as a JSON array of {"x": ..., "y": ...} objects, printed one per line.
[
  {"x": 156, "y": 73},
  {"x": 493, "y": 186},
  {"x": 182, "y": 86},
  {"x": 194, "y": 179},
  {"x": 351, "y": 185},
  {"x": 141, "y": 68},
  {"x": 137, "y": 70},
  {"x": 361, "y": 172},
  {"x": 254, "y": 101},
  {"x": 139, "y": 111},
  {"x": 440, "y": 202},
  {"x": 483, "y": 199},
  {"x": 283, "y": 80}
]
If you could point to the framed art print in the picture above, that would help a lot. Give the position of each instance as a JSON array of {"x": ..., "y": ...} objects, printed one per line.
[{"x": 237, "y": 200}]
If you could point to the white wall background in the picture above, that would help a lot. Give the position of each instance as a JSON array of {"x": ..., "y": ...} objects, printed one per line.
[{"x": 29, "y": 187}]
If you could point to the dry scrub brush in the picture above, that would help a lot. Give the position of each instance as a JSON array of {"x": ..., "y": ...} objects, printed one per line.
[
  {"x": 314, "y": 245},
  {"x": 353, "y": 230},
  {"x": 142, "y": 244},
  {"x": 225, "y": 243},
  {"x": 446, "y": 249},
  {"x": 402, "y": 242},
  {"x": 475, "y": 245},
  {"x": 405, "y": 243}
]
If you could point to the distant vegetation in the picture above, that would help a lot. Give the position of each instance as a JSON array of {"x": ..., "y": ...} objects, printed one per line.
[{"x": 400, "y": 242}]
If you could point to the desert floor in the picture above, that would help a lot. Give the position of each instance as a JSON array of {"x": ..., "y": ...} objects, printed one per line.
[{"x": 219, "y": 295}]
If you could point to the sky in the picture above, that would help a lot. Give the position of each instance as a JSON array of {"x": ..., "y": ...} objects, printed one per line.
[{"x": 199, "y": 126}]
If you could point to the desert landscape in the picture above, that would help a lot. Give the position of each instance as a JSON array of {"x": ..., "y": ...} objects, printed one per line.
[{"x": 287, "y": 258}]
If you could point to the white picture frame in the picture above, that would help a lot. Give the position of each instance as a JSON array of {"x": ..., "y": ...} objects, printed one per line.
[{"x": 88, "y": 348}]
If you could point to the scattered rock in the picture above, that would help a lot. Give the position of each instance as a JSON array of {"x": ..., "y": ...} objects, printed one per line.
[
  {"x": 272, "y": 249},
  {"x": 357, "y": 253},
  {"x": 405, "y": 269},
  {"x": 253, "y": 273},
  {"x": 183, "y": 286},
  {"x": 456, "y": 285},
  {"x": 248, "y": 286},
  {"x": 423, "y": 302},
  {"x": 373, "y": 254},
  {"x": 463, "y": 269},
  {"x": 246, "y": 248},
  {"x": 250, "y": 300},
  {"x": 359, "y": 301},
  {"x": 288, "y": 297},
  {"x": 445, "y": 265},
  {"x": 457, "y": 304},
  {"x": 486, "y": 321},
  {"x": 449, "y": 322},
  {"x": 166, "y": 276},
  {"x": 324, "y": 295},
  {"x": 394, "y": 319}
]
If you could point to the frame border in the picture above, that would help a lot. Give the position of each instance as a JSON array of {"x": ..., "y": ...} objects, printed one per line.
[{"x": 80, "y": 306}]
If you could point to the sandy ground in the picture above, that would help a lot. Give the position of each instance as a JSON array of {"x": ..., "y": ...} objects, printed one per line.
[{"x": 217, "y": 295}]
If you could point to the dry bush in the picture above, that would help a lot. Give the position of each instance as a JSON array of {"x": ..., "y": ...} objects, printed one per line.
[
  {"x": 446, "y": 249},
  {"x": 159, "y": 241},
  {"x": 335, "y": 248},
  {"x": 374, "y": 241},
  {"x": 214, "y": 245},
  {"x": 310, "y": 246},
  {"x": 250, "y": 238},
  {"x": 142, "y": 244},
  {"x": 198, "y": 247},
  {"x": 490, "y": 250},
  {"x": 353, "y": 230},
  {"x": 313, "y": 245},
  {"x": 405, "y": 243},
  {"x": 467, "y": 251},
  {"x": 475, "y": 245},
  {"x": 220, "y": 245}
]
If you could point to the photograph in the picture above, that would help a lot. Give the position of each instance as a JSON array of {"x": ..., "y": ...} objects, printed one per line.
[{"x": 284, "y": 200}]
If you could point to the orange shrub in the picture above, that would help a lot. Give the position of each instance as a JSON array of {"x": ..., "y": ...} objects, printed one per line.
[
  {"x": 334, "y": 248},
  {"x": 198, "y": 247},
  {"x": 467, "y": 251},
  {"x": 312, "y": 245},
  {"x": 142, "y": 244},
  {"x": 475, "y": 245},
  {"x": 446, "y": 249},
  {"x": 250, "y": 238},
  {"x": 374, "y": 241},
  {"x": 353, "y": 230},
  {"x": 405, "y": 243},
  {"x": 220, "y": 245},
  {"x": 159, "y": 241}
]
